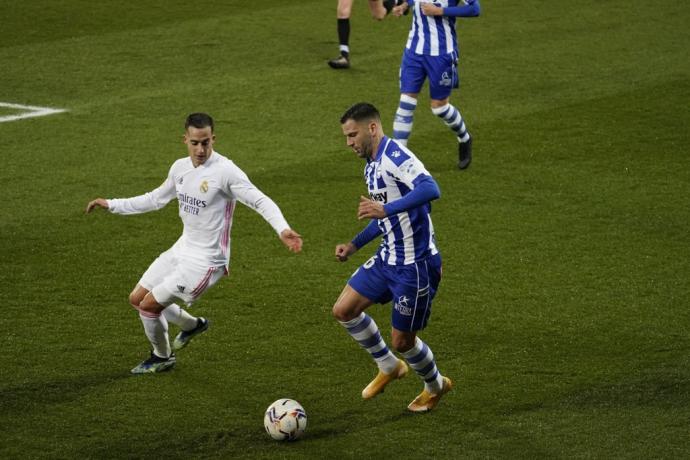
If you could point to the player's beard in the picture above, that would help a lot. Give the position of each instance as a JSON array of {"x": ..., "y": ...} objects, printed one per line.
[{"x": 366, "y": 149}]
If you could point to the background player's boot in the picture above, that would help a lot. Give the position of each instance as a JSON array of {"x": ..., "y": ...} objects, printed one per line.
[
  {"x": 427, "y": 401},
  {"x": 341, "y": 62},
  {"x": 154, "y": 364},
  {"x": 184, "y": 337},
  {"x": 465, "y": 154},
  {"x": 377, "y": 385}
]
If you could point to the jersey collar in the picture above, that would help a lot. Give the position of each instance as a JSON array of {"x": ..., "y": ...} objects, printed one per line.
[
  {"x": 210, "y": 160},
  {"x": 382, "y": 147}
]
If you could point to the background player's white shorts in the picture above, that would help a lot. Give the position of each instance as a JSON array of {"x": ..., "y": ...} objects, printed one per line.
[{"x": 169, "y": 279}]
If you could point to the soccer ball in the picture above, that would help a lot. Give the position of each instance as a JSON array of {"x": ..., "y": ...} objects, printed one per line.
[{"x": 285, "y": 420}]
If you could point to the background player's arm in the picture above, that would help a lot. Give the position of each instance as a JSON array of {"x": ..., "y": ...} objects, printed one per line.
[{"x": 469, "y": 10}]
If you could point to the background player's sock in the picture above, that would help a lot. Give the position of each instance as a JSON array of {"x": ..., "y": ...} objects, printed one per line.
[
  {"x": 156, "y": 329},
  {"x": 344, "y": 36},
  {"x": 452, "y": 118},
  {"x": 421, "y": 359},
  {"x": 178, "y": 316},
  {"x": 404, "y": 117},
  {"x": 365, "y": 331}
]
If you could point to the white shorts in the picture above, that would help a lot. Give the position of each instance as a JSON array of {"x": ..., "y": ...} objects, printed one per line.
[{"x": 170, "y": 279}]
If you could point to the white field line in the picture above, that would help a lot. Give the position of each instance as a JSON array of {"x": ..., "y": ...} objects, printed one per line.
[{"x": 30, "y": 111}]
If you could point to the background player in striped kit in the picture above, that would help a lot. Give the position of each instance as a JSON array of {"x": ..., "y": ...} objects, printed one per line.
[
  {"x": 378, "y": 8},
  {"x": 431, "y": 53},
  {"x": 207, "y": 186},
  {"x": 407, "y": 267}
]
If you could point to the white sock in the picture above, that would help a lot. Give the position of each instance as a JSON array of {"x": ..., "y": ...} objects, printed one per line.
[
  {"x": 421, "y": 359},
  {"x": 365, "y": 331},
  {"x": 179, "y": 317},
  {"x": 156, "y": 329}
]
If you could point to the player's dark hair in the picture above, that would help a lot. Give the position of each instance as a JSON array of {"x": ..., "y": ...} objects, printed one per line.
[
  {"x": 199, "y": 120},
  {"x": 360, "y": 112}
]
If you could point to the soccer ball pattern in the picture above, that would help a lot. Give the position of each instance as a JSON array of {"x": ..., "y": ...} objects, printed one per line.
[{"x": 285, "y": 420}]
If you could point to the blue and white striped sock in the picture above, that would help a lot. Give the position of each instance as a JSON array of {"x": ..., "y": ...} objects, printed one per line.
[
  {"x": 421, "y": 359},
  {"x": 404, "y": 116},
  {"x": 452, "y": 118},
  {"x": 365, "y": 331}
]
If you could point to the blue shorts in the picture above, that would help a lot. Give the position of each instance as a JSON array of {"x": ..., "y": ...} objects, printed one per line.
[
  {"x": 442, "y": 72},
  {"x": 411, "y": 287}
]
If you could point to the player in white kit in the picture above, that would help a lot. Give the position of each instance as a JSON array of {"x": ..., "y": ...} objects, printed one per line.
[{"x": 207, "y": 185}]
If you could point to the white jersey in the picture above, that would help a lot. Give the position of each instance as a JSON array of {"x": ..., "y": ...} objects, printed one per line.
[{"x": 206, "y": 195}]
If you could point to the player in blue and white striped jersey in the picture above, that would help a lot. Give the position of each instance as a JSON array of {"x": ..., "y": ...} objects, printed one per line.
[
  {"x": 407, "y": 267},
  {"x": 431, "y": 53}
]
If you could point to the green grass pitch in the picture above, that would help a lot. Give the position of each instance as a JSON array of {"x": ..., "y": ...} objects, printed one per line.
[{"x": 563, "y": 314}]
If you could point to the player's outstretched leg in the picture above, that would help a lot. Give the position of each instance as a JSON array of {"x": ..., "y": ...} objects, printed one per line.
[
  {"x": 452, "y": 118},
  {"x": 184, "y": 337},
  {"x": 365, "y": 331},
  {"x": 404, "y": 117},
  {"x": 190, "y": 326},
  {"x": 421, "y": 359}
]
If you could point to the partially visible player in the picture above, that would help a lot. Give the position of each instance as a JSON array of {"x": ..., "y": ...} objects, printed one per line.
[
  {"x": 378, "y": 8},
  {"x": 406, "y": 268},
  {"x": 431, "y": 53},
  {"x": 206, "y": 185}
]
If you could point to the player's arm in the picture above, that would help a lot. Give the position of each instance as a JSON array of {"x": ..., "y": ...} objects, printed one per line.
[
  {"x": 371, "y": 231},
  {"x": 151, "y": 201},
  {"x": 248, "y": 194},
  {"x": 425, "y": 190},
  {"x": 470, "y": 9}
]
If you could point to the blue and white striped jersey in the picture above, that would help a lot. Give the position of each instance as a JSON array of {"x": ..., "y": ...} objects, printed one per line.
[
  {"x": 408, "y": 236},
  {"x": 432, "y": 35}
]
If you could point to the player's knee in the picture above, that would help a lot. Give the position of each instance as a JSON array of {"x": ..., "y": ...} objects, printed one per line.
[
  {"x": 149, "y": 305},
  {"x": 134, "y": 299},
  {"x": 437, "y": 104},
  {"x": 344, "y": 10},
  {"x": 341, "y": 313}
]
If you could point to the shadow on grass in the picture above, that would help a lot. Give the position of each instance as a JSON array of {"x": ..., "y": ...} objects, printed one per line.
[
  {"x": 39, "y": 394},
  {"x": 228, "y": 443}
]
